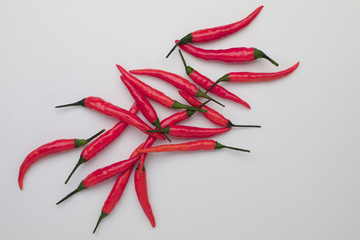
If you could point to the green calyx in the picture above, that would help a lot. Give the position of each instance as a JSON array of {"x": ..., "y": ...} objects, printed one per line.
[
  {"x": 230, "y": 124},
  {"x": 260, "y": 54},
  {"x": 219, "y": 146},
  {"x": 161, "y": 130},
  {"x": 200, "y": 93},
  {"x": 178, "y": 105},
  {"x": 188, "y": 69},
  {"x": 78, "y": 103},
  {"x": 78, "y": 189},
  {"x": 189, "y": 113},
  {"x": 101, "y": 217},
  {"x": 224, "y": 78},
  {"x": 184, "y": 40},
  {"x": 81, "y": 142}
]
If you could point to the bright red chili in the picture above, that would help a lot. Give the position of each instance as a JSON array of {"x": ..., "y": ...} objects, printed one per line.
[
  {"x": 190, "y": 146},
  {"x": 175, "y": 80},
  {"x": 48, "y": 149},
  {"x": 211, "y": 114},
  {"x": 107, "y": 108},
  {"x": 206, "y": 83},
  {"x": 102, "y": 142},
  {"x": 154, "y": 94},
  {"x": 241, "y": 54},
  {"x": 191, "y": 132},
  {"x": 210, "y": 34}
]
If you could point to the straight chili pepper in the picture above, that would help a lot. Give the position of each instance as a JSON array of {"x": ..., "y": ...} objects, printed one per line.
[
  {"x": 210, "y": 34},
  {"x": 154, "y": 94},
  {"x": 249, "y": 77},
  {"x": 211, "y": 114},
  {"x": 175, "y": 80},
  {"x": 48, "y": 149},
  {"x": 107, "y": 108},
  {"x": 241, "y": 54},
  {"x": 206, "y": 83},
  {"x": 102, "y": 142},
  {"x": 191, "y": 132},
  {"x": 190, "y": 146}
]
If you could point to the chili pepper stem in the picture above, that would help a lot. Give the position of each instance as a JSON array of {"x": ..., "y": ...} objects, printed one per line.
[
  {"x": 101, "y": 217},
  {"x": 230, "y": 124},
  {"x": 81, "y": 142},
  {"x": 188, "y": 69},
  {"x": 78, "y": 103},
  {"x": 186, "y": 39},
  {"x": 178, "y": 105},
  {"x": 162, "y": 130},
  {"x": 219, "y": 146},
  {"x": 78, "y": 189},
  {"x": 81, "y": 161},
  {"x": 200, "y": 93},
  {"x": 157, "y": 124},
  {"x": 260, "y": 54}
]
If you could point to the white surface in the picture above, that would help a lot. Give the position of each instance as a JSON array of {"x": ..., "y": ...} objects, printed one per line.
[{"x": 301, "y": 180}]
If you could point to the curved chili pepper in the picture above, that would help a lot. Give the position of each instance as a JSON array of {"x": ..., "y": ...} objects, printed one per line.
[
  {"x": 211, "y": 114},
  {"x": 48, "y": 149},
  {"x": 247, "y": 77},
  {"x": 241, "y": 54},
  {"x": 191, "y": 132},
  {"x": 107, "y": 108},
  {"x": 210, "y": 34},
  {"x": 175, "y": 80},
  {"x": 206, "y": 83},
  {"x": 190, "y": 146},
  {"x": 154, "y": 94},
  {"x": 102, "y": 142}
]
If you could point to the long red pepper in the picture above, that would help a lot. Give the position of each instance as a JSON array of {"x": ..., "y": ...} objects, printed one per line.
[
  {"x": 154, "y": 94},
  {"x": 102, "y": 142},
  {"x": 107, "y": 108},
  {"x": 211, "y": 114},
  {"x": 175, "y": 80},
  {"x": 206, "y": 83},
  {"x": 210, "y": 34},
  {"x": 249, "y": 77},
  {"x": 48, "y": 149},
  {"x": 190, "y": 146},
  {"x": 241, "y": 54},
  {"x": 191, "y": 132}
]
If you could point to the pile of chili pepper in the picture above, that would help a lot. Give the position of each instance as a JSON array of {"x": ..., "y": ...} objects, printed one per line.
[{"x": 161, "y": 129}]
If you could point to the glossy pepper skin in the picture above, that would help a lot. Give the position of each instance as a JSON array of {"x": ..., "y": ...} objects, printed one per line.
[
  {"x": 210, "y": 34},
  {"x": 241, "y": 54},
  {"x": 49, "y": 149},
  {"x": 109, "y": 109},
  {"x": 206, "y": 83},
  {"x": 192, "y": 132}
]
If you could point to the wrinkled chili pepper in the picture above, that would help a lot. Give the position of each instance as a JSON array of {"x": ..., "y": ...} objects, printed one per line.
[
  {"x": 191, "y": 132},
  {"x": 211, "y": 114},
  {"x": 248, "y": 77},
  {"x": 175, "y": 80},
  {"x": 102, "y": 142},
  {"x": 107, "y": 108},
  {"x": 48, "y": 149},
  {"x": 154, "y": 94},
  {"x": 241, "y": 54},
  {"x": 210, "y": 34}
]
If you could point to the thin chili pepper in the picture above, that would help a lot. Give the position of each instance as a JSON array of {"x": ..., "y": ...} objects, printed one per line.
[
  {"x": 175, "y": 80},
  {"x": 241, "y": 54},
  {"x": 249, "y": 77},
  {"x": 48, "y": 149},
  {"x": 210, "y": 34},
  {"x": 102, "y": 142},
  {"x": 206, "y": 83},
  {"x": 191, "y": 132},
  {"x": 154, "y": 94},
  {"x": 190, "y": 146},
  {"x": 107, "y": 108},
  {"x": 117, "y": 191},
  {"x": 211, "y": 114}
]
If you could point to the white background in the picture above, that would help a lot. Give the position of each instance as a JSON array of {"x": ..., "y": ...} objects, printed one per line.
[{"x": 301, "y": 180}]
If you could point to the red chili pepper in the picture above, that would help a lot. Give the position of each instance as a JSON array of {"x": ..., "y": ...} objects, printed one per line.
[
  {"x": 191, "y": 132},
  {"x": 247, "y": 77},
  {"x": 206, "y": 83},
  {"x": 107, "y": 108},
  {"x": 210, "y": 34},
  {"x": 154, "y": 94},
  {"x": 211, "y": 114},
  {"x": 116, "y": 191},
  {"x": 48, "y": 149},
  {"x": 189, "y": 146},
  {"x": 241, "y": 54},
  {"x": 175, "y": 80},
  {"x": 102, "y": 142}
]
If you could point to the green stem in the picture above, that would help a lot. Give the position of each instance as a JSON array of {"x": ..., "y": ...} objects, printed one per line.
[
  {"x": 200, "y": 93},
  {"x": 78, "y": 189},
  {"x": 260, "y": 54},
  {"x": 188, "y": 69},
  {"x": 81, "y": 161},
  {"x": 224, "y": 78},
  {"x": 81, "y": 142},
  {"x": 178, "y": 105},
  {"x": 78, "y": 103},
  {"x": 101, "y": 217},
  {"x": 172, "y": 50},
  {"x": 230, "y": 124},
  {"x": 162, "y": 130},
  {"x": 219, "y": 146}
]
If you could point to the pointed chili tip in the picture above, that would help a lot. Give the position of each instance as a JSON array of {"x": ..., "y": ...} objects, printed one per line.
[
  {"x": 21, "y": 185},
  {"x": 101, "y": 217}
]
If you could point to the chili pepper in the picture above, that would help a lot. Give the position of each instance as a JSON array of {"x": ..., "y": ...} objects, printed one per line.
[
  {"x": 210, "y": 34},
  {"x": 211, "y": 114},
  {"x": 107, "y": 108},
  {"x": 154, "y": 94},
  {"x": 190, "y": 146},
  {"x": 175, "y": 80},
  {"x": 117, "y": 191},
  {"x": 241, "y": 54},
  {"x": 191, "y": 132},
  {"x": 247, "y": 77},
  {"x": 103, "y": 141},
  {"x": 142, "y": 194},
  {"x": 206, "y": 83},
  {"x": 48, "y": 149}
]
